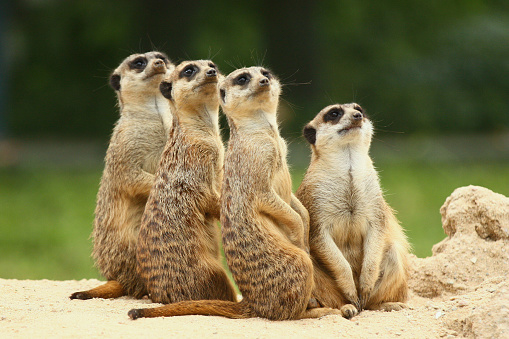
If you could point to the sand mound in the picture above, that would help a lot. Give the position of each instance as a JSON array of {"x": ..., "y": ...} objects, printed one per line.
[
  {"x": 460, "y": 291},
  {"x": 473, "y": 258}
]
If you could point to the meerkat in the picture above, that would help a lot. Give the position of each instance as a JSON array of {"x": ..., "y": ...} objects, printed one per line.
[
  {"x": 132, "y": 157},
  {"x": 178, "y": 252},
  {"x": 354, "y": 236},
  {"x": 264, "y": 238}
]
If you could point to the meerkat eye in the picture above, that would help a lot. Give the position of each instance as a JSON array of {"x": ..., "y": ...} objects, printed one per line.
[
  {"x": 266, "y": 74},
  {"x": 242, "y": 79},
  {"x": 212, "y": 65},
  {"x": 189, "y": 71},
  {"x": 162, "y": 57},
  {"x": 358, "y": 108},
  {"x": 333, "y": 114},
  {"x": 138, "y": 63}
]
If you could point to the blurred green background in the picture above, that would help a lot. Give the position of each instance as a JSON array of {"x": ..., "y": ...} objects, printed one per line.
[{"x": 433, "y": 76}]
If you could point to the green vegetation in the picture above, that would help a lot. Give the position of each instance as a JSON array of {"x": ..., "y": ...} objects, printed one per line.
[
  {"x": 419, "y": 66},
  {"x": 46, "y": 215}
]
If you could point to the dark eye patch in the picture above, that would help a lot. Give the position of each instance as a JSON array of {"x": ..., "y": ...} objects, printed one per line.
[
  {"x": 189, "y": 71},
  {"x": 211, "y": 64},
  {"x": 162, "y": 57},
  {"x": 266, "y": 74},
  {"x": 242, "y": 79},
  {"x": 333, "y": 114},
  {"x": 138, "y": 64}
]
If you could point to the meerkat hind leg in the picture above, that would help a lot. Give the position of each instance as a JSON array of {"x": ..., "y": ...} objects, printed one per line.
[
  {"x": 389, "y": 306},
  {"x": 319, "y": 312},
  {"x": 111, "y": 289}
]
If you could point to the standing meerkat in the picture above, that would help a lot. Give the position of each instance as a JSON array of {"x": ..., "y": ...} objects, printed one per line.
[
  {"x": 264, "y": 238},
  {"x": 132, "y": 157},
  {"x": 354, "y": 235},
  {"x": 178, "y": 251}
]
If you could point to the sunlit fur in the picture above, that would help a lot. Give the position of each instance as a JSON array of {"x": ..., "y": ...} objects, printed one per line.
[
  {"x": 354, "y": 237},
  {"x": 178, "y": 252},
  {"x": 263, "y": 236},
  {"x": 131, "y": 160}
]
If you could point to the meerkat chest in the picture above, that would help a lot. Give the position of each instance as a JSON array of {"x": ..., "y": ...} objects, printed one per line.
[
  {"x": 281, "y": 181},
  {"x": 348, "y": 196}
]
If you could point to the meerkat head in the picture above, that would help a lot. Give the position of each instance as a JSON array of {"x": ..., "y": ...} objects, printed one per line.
[
  {"x": 339, "y": 125},
  {"x": 192, "y": 84},
  {"x": 249, "y": 89},
  {"x": 140, "y": 74}
]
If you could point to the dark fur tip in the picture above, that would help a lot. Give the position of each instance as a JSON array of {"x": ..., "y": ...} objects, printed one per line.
[
  {"x": 135, "y": 313},
  {"x": 79, "y": 295},
  {"x": 310, "y": 134},
  {"x": 223, "y": 95},
  {"x": 165, "y": 88},
  {"x": 115, "y": 82}
]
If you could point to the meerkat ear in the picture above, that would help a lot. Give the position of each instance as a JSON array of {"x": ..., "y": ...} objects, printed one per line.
[
  {"x": 309, "y": 133},
  {"x": 222, "y": 92},
  {"x": 165, "y": 88},
  {"x": 115, "y": 82}
]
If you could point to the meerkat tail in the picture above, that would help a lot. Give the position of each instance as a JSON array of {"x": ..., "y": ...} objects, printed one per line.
[
  {"x": 111, "y": 289},
  {"x": 229, "y": 309}
]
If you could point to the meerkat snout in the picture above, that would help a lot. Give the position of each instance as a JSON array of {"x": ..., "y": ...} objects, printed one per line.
[
  {"x": 264, "y": 82},
  {"x": 211, "y": 73},
  {"x": 159, "y": 64}
]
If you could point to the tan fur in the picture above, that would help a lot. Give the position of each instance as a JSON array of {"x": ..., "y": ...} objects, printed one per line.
[
  {"x": 354, "y": 236},
  {"x": 131, "y": 160},
  {"x": 263, "y": 237},
  {"x": 178, "y": 252}
]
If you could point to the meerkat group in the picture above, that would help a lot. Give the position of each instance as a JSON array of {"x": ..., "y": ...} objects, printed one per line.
[{"x": 335, "y": 247}]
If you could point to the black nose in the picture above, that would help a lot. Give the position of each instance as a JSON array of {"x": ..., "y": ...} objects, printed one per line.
[
  {"x": 357, "y": 116},
  {"x": 264, "y": 82},
  {"x": 211, "y": 72}
]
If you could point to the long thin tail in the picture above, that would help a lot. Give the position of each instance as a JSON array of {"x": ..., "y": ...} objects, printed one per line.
[
  {"x": 229, "y": 309},
  {"x": 111, "y": 289}
]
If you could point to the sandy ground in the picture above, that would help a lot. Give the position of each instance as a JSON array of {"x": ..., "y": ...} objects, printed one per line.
[{"x": 461, "y": 291}]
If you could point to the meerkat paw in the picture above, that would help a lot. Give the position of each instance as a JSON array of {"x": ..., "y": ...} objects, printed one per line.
[
  {"x": 364, "y": 296},
  {"x": 349, "y": 311},
  {"x": 351, "y": 296}
]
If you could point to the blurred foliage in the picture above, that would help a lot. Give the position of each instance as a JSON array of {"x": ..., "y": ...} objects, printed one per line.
[{"x": 416, "y": 66}]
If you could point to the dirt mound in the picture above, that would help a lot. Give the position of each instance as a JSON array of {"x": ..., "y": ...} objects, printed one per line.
[{"x": 471, "y": 266}]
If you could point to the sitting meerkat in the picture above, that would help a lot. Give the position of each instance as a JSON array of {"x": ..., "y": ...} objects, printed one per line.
[
  {"x": 264, "y": 238},
  {"x": 178, "y": 251},
  {"x": 354, "y": 236},
  {"x": 132, "y": 157}
]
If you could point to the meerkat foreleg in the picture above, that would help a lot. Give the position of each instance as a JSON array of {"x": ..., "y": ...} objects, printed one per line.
[
  {"x": 141, "y": 182},
  {"x": 330, "y": 255},
  {"x": 370, "y": 271},
  {"x": 275, "y": 207},
  {"x": 303, "y": 212}
]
